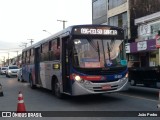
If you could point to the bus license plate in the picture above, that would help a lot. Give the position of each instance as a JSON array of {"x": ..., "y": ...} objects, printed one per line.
[{"x": 106, "y": 87}]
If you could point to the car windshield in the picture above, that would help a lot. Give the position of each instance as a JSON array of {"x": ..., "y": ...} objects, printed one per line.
[
  {"x": 97, "y": 53},
  {"x": 13, "y": 67},
  {"x": 4, "y": 68}
]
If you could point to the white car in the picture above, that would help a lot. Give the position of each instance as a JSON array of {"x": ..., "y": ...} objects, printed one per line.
[
  {"x": 3, "y": 70},
  {"x": 12, "y": 71}
]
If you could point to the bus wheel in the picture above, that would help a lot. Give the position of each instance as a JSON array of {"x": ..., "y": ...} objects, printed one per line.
[
  {"x": 57, "y": 89},
  {"x": 133, "y": 82},
  {"x": 31, "y": 82}
]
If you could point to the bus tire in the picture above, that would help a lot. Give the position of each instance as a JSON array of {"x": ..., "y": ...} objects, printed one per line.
[
  {"x": 133, "y": 82},
  {"x": 57, "y": 92},
  {"x": 31, "y": 82}
]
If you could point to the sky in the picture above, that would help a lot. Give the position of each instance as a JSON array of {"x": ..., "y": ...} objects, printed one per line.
[{"x": 21, "y": 20}]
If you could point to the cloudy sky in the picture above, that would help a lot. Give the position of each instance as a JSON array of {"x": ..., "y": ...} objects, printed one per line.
[{"x": 21, "y": 20}]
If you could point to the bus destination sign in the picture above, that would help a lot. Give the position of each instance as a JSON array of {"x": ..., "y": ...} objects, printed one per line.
[{"x": 95, "y": 31}]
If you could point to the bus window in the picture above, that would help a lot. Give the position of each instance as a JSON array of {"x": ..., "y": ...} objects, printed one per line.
[
  {"x": 23, "y": 58},
  {"x": 32, "y": 56},
  {"x": 96, "y": 53},
  {"x": 28, "y": 56},
  {"x": 44, "y": 54},
  {"x": 55, "y": 51}
]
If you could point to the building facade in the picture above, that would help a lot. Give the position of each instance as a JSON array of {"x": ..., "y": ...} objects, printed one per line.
[
  {"x": 131, "y": 16},
  {"x": 145, "y": 51},
  {"x": 122, "y": 13}
]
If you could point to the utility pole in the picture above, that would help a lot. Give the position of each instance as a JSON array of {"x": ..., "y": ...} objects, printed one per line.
[
  {"x": 64, "y": 21},
  {"x": 3, "y": 60},
  {"x": 8, "y": 58},
  {"x": 31, "y": 41},
  {"x": 17, "y": 58}
]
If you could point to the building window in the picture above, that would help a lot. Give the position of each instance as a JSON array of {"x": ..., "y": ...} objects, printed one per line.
[
  {"x": 148, "y": 31},
  {"x": 99, "y": 8},
  {"x": 115, "y": 3},
  {"x": 118, "y": 20},
  {"x": 155, "y": 28}
]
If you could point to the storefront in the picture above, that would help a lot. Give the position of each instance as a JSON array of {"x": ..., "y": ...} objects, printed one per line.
[{"x": 142, "y": 54}]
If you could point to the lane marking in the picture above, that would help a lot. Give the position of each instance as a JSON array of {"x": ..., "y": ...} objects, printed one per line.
[{"x": 139, "y": 97}]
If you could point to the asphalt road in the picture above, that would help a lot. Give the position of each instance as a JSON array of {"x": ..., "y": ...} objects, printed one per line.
[{"x": 139, "y": 99}]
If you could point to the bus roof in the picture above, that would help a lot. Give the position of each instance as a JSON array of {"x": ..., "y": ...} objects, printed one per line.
[{"x": 69, "y": 30}]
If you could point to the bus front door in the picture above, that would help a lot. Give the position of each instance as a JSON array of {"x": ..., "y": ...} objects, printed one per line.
[
  {"x": 65, "y": 67},
  {"x": 37, "y": 65}
]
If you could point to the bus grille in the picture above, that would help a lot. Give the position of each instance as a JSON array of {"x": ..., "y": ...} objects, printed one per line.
[
  {"x": 110, "y": 71},
  {"x": 104, "y": 81}
]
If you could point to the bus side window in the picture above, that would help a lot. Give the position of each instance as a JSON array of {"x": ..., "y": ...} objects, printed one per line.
[
  {"x": 32, "y": 56},
  {"x": 23, "y": 58},
  {"x": 28, "y": 56},
  {"x": 44, "y": 51},
  {"x": 55, "y": 51}
]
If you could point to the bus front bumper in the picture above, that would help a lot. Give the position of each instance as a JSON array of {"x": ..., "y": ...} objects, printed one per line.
[{"x": 88, "y": 87}]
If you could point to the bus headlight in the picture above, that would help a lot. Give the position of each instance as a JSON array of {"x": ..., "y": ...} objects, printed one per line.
[{"x": 77, "y": 78}]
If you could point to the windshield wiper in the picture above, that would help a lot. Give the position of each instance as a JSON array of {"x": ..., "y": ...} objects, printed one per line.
[
  {"x": 110, "y": 48},
  {"x": 108, "y": 51},
  {"x": 98, "y": 50},
  {"x": 92, "y": 44},
  {"x": 95, "y": 47},
  {"x": 104, "y": 54}
]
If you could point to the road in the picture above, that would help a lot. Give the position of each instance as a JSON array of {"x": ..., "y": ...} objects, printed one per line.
[{"x": 135, "y": 99}]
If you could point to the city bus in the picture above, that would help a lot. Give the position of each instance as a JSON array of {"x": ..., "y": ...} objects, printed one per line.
[{"x": 79, "y": 60}]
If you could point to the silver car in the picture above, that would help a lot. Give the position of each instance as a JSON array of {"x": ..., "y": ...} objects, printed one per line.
[{"x": 12, "y": 71}]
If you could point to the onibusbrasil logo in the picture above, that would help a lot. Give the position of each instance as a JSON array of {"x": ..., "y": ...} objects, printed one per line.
[{"x": 28, "y": 114}]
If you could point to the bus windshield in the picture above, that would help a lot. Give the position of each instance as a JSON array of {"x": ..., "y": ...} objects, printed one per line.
[{"x": 97, "y": 53}]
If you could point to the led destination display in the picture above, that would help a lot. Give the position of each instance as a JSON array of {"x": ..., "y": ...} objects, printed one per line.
[{"x": 96, "y": 31}]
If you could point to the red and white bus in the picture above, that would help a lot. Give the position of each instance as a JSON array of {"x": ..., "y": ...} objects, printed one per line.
[{"x": 79, "y": 60}]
